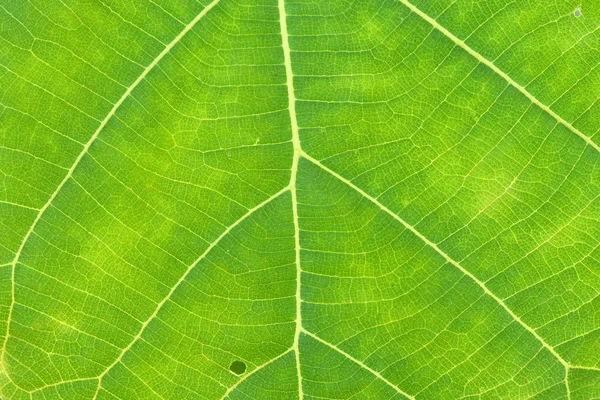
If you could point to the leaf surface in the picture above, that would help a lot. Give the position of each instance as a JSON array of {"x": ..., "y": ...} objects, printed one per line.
[{"x": 282, "y": 199}]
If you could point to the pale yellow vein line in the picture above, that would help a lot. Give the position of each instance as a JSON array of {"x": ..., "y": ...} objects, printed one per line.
[
  {"x": 143, "y": 382},
  {"x": 585, "y": 368},
  {"x": 297, "y": 151},
  {"x": 63, "y": 383},
  {"x": 84, "y": 151},
  {"x": 10, "y": 203},
  {"x": 363, "y": 365},
  {"x": 498, "y": 71},
  {"x": 182, "y": 279},
  {"x": 232, "y": 388},
  {"x": 443, "y": 254},
  {"x": 567, "y": 388}
]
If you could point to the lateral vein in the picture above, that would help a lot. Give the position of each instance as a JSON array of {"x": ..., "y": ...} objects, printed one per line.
[
  {"x": 182, "y": 279},
  {"x": 360, "y": 363},
  {"x": 84, "y": 151},
  {"x": 498, "y": 71},
  {"x": 443, "y": 254},
  {"x": 255, "y": 370}
]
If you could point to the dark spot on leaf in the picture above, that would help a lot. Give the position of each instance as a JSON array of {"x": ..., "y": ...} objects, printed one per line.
[
  {"x": 577, "y": 12},
  {"x": 237, "y": 367}
]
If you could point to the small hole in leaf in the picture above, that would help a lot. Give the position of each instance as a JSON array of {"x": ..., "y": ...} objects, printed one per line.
[
  {"x": 577, "y": 12},
  {"x": 237, "y": 367}
]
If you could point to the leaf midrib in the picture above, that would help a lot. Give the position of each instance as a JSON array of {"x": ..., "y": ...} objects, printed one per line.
[{"x": 289, "y": 75}]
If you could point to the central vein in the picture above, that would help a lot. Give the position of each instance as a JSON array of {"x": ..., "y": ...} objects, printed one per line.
[{"x": 297, "y": 152}]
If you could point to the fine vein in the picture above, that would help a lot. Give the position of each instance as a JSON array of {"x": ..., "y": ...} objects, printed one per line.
[
  {"x": 255, "y": 370},
  {"x": 182, "y": 279},
  {"x": 84, "y": 151},
  {"x": 363, "y": 365},
  {"x": 498, "y": 71},
  {"x": 443, "y": 254}
]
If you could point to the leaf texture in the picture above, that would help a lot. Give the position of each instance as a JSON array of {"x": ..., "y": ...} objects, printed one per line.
[{"x": 379, "y": 199}]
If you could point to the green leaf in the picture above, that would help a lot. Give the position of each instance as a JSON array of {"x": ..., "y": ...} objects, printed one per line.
[{"x": 282, "y": 199}]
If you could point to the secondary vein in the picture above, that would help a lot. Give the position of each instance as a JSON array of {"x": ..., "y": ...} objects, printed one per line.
[
  {"x": 83, "y": 152},
  {"x": 443, "y": 254},
  {"x": 182, "y": 279},
  {"x": 255, "y": 370},
  {"x": 498, "y": 71},
  {"x": 356, "y": 361}
]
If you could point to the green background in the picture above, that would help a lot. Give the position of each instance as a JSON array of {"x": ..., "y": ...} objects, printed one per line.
[{"x": 376, "y": 199}]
